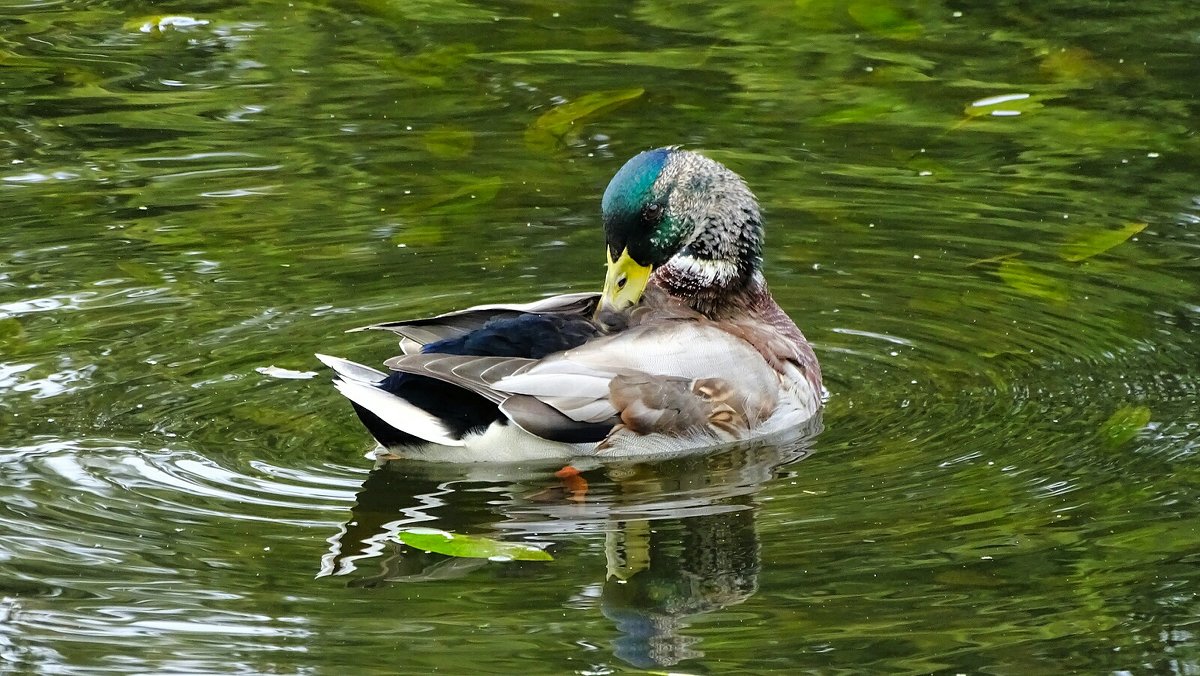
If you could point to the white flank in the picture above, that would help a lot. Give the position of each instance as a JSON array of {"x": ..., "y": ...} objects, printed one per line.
[{"x": 498, "y": 443}]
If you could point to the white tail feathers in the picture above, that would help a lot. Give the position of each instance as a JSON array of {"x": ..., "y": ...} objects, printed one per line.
[
  {"x": 358, "y": 384},
  {"x": 351, "y": 370}
]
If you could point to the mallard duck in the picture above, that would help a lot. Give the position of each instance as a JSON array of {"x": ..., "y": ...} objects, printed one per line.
[{"x": 683, "y": 349}]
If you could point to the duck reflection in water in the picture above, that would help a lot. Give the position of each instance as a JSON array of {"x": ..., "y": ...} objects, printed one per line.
[
  {"x": 659, "y": 575},
  {"x": 679, "y": 534}
]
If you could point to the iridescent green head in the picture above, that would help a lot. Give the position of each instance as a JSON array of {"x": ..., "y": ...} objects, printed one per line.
[
  {"x": 687, "y": 219},
  {"x": 635, "y": 210}
]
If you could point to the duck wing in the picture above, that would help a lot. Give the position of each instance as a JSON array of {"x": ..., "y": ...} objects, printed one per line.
[
  {"x": 670, "y": 377},
  {"x": 433, "y": 398},
  {"x": 675, "y": 378},
  {"x": 542, "y": 416},
  {"x": 418, "y": 332},
  {"x": 547, "y": 369}
]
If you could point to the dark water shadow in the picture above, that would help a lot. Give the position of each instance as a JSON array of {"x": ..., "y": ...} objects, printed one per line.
[{"x": 680, "y": 538}]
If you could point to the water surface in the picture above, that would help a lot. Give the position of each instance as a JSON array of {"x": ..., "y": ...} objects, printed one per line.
[{"x": 985, "y": 219}]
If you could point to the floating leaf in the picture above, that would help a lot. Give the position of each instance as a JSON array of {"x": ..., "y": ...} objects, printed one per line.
[
  {"x": 1096, "y": 242},
  {"x": 1022, "y": 278},
  {"x": 552, "y": 128},
  {"x": 449, "y": 143},
  {"x": 82, "y": 77},
  {"x": 1124, "y": 424},
  {"x": 470, "y": 546}
]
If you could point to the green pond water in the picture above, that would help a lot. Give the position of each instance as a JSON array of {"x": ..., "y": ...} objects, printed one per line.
[{"x": 986, "y": 219}]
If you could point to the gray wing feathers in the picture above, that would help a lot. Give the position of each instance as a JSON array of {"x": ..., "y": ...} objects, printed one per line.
[
  {"x": 477, "y": 374},
  {"x": 543, "y": 420},
  {"x": 410, "y": 346},
  {"x": 424, "y": 331},
  {"x": 575, "y": 392},
  {"x": 572, "y": 303},
  {"x": 544, "y": 406}
]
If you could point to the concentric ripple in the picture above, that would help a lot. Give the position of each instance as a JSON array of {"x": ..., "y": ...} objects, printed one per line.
[{"x": 152, "y": 530}]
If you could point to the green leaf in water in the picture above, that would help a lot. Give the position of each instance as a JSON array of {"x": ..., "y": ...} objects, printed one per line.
[
  {"x": 1096, "y": 242},
  {"x": 1021, "y": 277},
  {"x": 1124, "y": 424},
  {"x": 449, "y": 142},
  {"x": 552, "y": 128},
  {"x": 469, "y": 546},
  {"x": 83, "y": 78}
]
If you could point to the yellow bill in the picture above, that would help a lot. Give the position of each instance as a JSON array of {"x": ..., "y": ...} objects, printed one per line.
[{"x": 624, "y": 284}]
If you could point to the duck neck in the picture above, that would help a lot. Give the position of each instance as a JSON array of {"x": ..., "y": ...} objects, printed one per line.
[{"x": 719, "y": 271}]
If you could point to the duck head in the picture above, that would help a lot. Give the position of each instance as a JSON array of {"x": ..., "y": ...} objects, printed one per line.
[{"x": 684, "y": 222}]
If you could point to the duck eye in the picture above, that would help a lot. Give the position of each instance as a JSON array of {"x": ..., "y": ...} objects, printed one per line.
[{"x": 652, "y": 212}]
